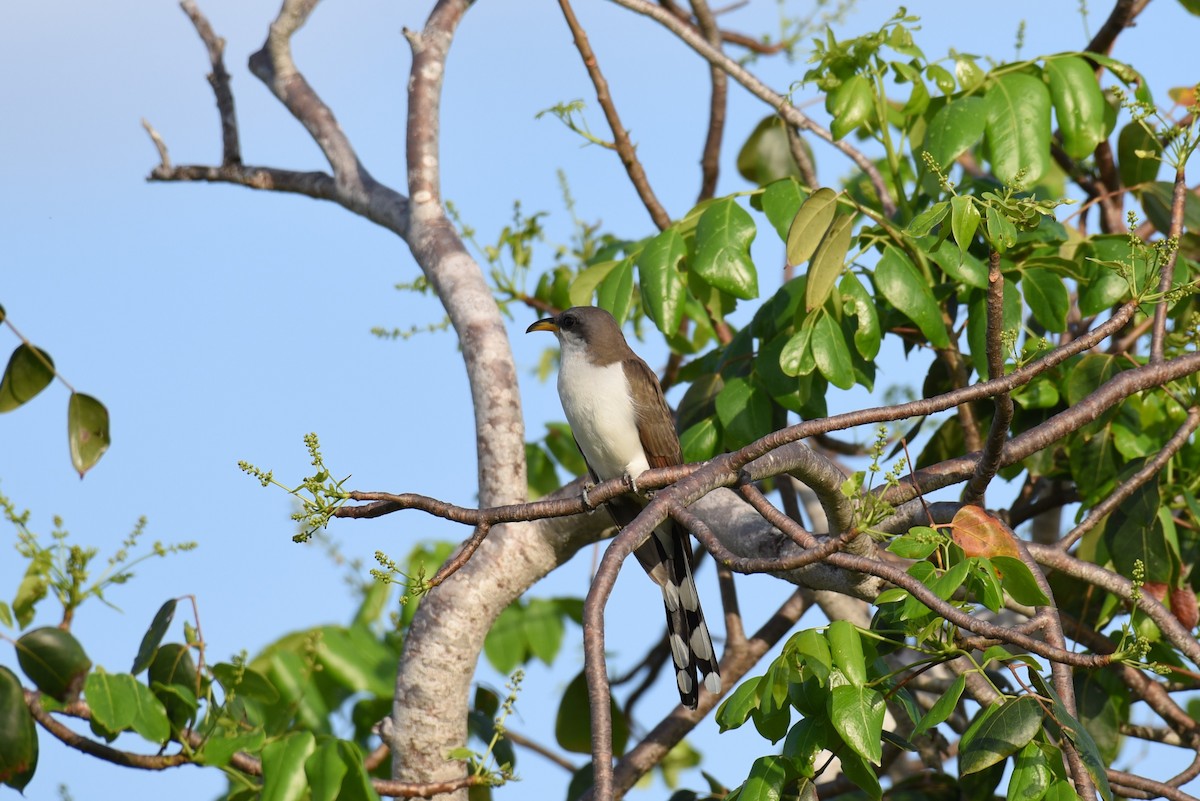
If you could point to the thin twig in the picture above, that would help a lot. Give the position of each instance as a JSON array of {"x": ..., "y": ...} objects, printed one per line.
[
  {"x": 989, "y": 461},
  {"x": 710, "y": 161},
  {"x": 625, "y": 147},
  {"x": 1167, "y": 277}
]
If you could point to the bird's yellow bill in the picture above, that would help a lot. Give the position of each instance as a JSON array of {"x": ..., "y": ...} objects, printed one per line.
[{"x": 543, "y": 325}]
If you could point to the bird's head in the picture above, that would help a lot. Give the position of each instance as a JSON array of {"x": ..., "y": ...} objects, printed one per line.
[{"x": 583, "y": 328}]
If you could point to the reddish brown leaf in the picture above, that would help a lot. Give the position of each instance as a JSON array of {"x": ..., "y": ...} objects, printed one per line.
[
  {"x": 1183, "y": 606},
  {"x": 1156, "y": 588},
  {"x": 979, "y": 533}
]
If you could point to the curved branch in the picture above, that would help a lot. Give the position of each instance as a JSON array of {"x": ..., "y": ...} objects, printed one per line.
[{"x": 710, "y": 160}]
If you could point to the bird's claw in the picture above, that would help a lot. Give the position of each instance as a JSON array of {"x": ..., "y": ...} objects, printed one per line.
[{"x": 587, "y": 503}]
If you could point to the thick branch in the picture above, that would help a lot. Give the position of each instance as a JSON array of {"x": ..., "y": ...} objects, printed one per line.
[
  {"x": 1002, "y": 416},
  {"x": 231, "y": 151}
]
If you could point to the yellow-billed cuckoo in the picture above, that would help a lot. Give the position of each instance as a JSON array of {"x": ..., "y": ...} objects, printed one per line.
[{"x": 623, "y": 426}]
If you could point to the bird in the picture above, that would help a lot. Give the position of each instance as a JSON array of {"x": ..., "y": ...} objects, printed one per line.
[{"x": 623, "y": 427}]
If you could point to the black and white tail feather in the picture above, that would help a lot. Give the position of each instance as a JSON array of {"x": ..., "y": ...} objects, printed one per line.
[{"x": 666, "y": 559}]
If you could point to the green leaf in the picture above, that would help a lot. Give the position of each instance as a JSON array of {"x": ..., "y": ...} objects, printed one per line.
[
  {"x": 857, "y": 714},
  {"x": 542, "y": 476},
  {"x": 861, "y": 775},
  {"x": 845, "y": 644},
  {"x": 700, "y": 441},
  {"x": 325, "y": 770},
  {"x": 868, "y": 335},
  {"x": 828, "y": 262},
  {"x": 112, "y": 698},
  {"x": 505, "y": 644},
  {"x": 53, "y": 660},
  {"x": 831, "y": 353},
  {"x": 18, "y": 735},
  {"x": 357, "y": 660},
  {"x": 905, "y": 288},
  {"x": 809, "y": 225},
  {"x": 283, "y": 762},
  {"x": 1079, "y": 105},
  {"x": 852, "y": 104},
  {"x": 737, "y": 707},
  {"x": 814, "y": 651},
  {"x": 767, "y": 156},
  {"x": 1031, "y": 775},
  {"x": 615, "y": 292},
  {"x": 573, "y": 724},
  {"x": 1018, "y": 129},
  {"x": 796, "y": 358},
  {"x": 543, "y": 626},
  {"x": 1139, "y": 155},
  {"x": 914, "y": 546},
  {"x": 173, "y": 679},
  {"x": 26, "y": 375},
  {"x": 781, "y": 201},
  {"x": 998, "y": 732},
  {"x": 767, "y": 779},
  {"x": 1134, "y": 532},
  {"x": 970, "y": 76},
  {"x": 1018, "y": 581},
  {"x": 245, "y": 681},
  {"x": 153, "y": 636},
  {"x": 218, "y": 750},
  {"x": 924, "y": 222},
  {"x": 723, "y": 238},
  {"x": 149, "y": 714},
  {"x": 960, "y": 266},
  {"x": 663, "y": 285},
  {"x": 1001, "y": 232},
  {"x": 561, "y": 444},
  {"x": 744, "y": 409},
  {"x": 87, "y": 431},
  {"x": 1103, "y": 705},
  {"x": 954, "y": 128},
  {"x": 944, "y": 706},
  {"x": 963, "y": 222},
  {"x": 585, "y": 284},
  {"x": 1047, "y": 296}
]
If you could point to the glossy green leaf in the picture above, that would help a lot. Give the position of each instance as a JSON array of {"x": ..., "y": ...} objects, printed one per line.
[
  {"x": 1064, "y": 721},
  {"x": 1047, "y": 297},
  {"x": 26, "y": 375},
  {"x": 18, "y": 735},
  {"x": 852, "y": 104},
  {"x": 781, "y": 201},
  {"x": 767, "y": 780},
  {"x": 737, "y": 707},
  {"x": 357, "y": 660},
  {"x": 1079, "y": 105},
  {"x": 219, "y": 750},
  {"x": 813, "y": 649},
  {"x": 845, "y": 644},
  {"x": 828, "y": 262},
  {"x": 796, "y": 358},
  {"x": 944, "y": 706},
  {"x": 942, "y": 77},
  {"x": 744, "y": 409},
  {"x": 954, "y": 128},
  {"x": 153, "y": 636},
  {"x": 1139, "y": 155},
  {"x": 700, "y": 441},
  {"x": 868, "y": 335},
  {"x": 925, "y": 222},
  {"x": 87, "y": 431},
  {"x": 615, "y": 292},
  {"x": 53, "y": 660},
  {"x": 283, "y": 762},
  {"x": 964, "y": 221},
  {"x": 149, "y": 714},
  {"x": 960, "y": 266},
  {"x": 969, "y": 75},
  {"x": 1019, "y": 582},
  {"x": 857, "y": 713},
  {"x": 999, "y": 732},
  {"x": 831, "y": 353},
  {"x": 585, "y": 284},
  {"x": 723, "y": 238},
  {"x": 543, "y": 627},
  {"x": 1031, "y": 776},
  {"x": 810, "y": 224},
  {"x": 662, "y": 280},
  {"x": 573, "y": 724},
  {"x": 905, "y": 288},
  {"x": 1018, "y": 128},
  {"x": 917, "y": 544},
  {"x": 1001, "y": 232},
  {"x": 245, "y": 681}
]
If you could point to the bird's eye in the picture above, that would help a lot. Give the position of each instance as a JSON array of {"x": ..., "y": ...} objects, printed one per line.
[{"x": 568, "y": 322}]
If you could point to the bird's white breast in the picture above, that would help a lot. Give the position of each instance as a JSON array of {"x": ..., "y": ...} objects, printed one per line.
[{"x": 598, "y": 407}]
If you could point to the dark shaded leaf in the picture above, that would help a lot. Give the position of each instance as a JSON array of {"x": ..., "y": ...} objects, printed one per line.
[
  {"x": 153, "y": 636},
  {"x": 18, "y": 735},
  {"x": 573, "y": 725},
  {"x": 26, "y": 375},
  {"x": 998, "y": 732},
  {"x": 905, "y": 288},
  {"x": 53, "y": 660}
]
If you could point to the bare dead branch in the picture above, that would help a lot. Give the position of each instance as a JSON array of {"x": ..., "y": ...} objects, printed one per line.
[
  {"x": 231, "y": 151},
  {"x": 164, "y": 159},
  {"x": 625, "y": 148}
]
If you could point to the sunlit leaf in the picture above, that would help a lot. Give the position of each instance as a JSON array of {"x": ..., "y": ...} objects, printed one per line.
[
  {"x": 662, "y": 281},
  {"x": 828, "y": 262},
  {"x": 1079, "y": 104},
  {"x": 857, "y": 713},
  {"x": 283, "y": 767},
  {"x": 1018, "y": 128},
  {"x": 954, "y": 128},
  {"x": 999, "y": 732},
  {"x": 723, "y": 237},
  {"x": 809, "y": 225},
  {"x": 899, "y": 281},
  {"x": 87, "y": 431}
]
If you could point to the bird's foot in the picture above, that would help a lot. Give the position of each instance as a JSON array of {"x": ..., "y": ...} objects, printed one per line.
[{"x": 587, "y": 503}]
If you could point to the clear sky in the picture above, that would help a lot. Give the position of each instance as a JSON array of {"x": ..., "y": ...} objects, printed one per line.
[{"x": 220, "y": 324}]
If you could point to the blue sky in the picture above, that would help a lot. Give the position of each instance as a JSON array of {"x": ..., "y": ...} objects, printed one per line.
[{"x": 220, "y": 324}]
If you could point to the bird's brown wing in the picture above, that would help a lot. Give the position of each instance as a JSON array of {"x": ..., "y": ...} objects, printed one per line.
[{"x": 656, "y": 426}]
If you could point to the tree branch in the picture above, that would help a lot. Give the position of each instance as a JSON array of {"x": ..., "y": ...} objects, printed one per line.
[
  {"x": 989, "y": 461},
  {"x": 710, "y": 160},
  {"x": 1167, "y": 278}
]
